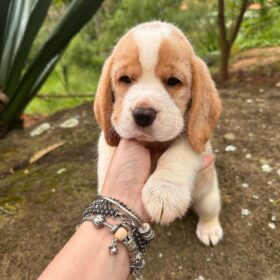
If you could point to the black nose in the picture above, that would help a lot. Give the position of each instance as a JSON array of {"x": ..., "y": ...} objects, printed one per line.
[{"x": 144, "y": 116}]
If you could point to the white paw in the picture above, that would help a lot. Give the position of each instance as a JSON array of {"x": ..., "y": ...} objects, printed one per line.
[
  {"x": 209, "y": 232},
  {"x": 165, "y": 200}
]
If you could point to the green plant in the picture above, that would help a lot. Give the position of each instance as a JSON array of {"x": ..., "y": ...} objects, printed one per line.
[{"x": 20, "y": 22}]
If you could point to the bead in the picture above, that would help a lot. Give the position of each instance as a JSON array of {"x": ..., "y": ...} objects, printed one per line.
[
  {"x": 121, "y": 234},
  {"x": 98, "y": 221}
]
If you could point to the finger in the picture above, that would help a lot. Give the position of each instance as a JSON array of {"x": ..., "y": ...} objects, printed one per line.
[{"x": 207, "y": 160}]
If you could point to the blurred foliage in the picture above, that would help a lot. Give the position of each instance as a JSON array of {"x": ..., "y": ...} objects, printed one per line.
[
  {"x": 260, "y": 28},
  {"x": 78, "y": 71}
]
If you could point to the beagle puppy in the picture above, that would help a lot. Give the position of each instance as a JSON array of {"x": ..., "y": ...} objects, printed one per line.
[{"x": 153, "y": 88}]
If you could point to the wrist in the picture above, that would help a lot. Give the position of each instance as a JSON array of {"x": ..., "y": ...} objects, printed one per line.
[
  {"x": 99, "y": 241},
  {"x": 131, "y": 196}
]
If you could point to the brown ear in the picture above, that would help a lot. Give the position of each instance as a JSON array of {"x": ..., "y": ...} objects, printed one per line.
[
  {"x": 205, "y": 106},
  {"x": 103, "y": 104}
]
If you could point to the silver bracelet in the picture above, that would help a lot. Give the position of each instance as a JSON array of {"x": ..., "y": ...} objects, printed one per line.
[
  {"x": 125, "y": 209},
  {"x": 130, "y": 230}
]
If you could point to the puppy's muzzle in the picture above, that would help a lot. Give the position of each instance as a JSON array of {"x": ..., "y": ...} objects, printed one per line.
[{"x": 144, "y": 116}]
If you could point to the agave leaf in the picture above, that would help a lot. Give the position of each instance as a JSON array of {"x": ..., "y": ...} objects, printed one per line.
[
  {"x": 35, "y": 20},
  {"x": 78, "y": 14},
  {"x": 24, "y": 95},
  {"x": 16, "y": 21},
  {"x": 4, "y": 8}
]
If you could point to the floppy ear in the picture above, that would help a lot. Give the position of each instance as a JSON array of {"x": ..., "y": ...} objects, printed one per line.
[
  {"x": 103, "y": 104},
  {"x": 205, "y": 106}
]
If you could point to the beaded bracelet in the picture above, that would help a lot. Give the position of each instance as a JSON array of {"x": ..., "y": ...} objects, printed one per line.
[{"x": 130, "y": 230}]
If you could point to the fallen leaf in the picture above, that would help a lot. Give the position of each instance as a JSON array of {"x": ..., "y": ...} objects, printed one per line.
[{"x": 38, "y": 155}]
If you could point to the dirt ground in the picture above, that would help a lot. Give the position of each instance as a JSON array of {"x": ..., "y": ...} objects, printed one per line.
[{"x": 41, "y": 203}]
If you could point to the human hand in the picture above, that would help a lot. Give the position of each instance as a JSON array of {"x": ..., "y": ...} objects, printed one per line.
[{"x": 127, "y": 174}]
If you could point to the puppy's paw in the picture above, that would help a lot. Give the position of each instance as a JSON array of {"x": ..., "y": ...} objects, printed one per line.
[
  {"x": 209, "y": 232},
  {"x": 165, "y": 200}
]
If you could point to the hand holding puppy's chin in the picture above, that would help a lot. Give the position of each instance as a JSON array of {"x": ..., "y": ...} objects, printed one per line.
[{"x": 127, "y": 174}]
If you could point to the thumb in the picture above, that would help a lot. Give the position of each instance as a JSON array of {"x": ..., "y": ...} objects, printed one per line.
[{"x": 207, "y": 160}]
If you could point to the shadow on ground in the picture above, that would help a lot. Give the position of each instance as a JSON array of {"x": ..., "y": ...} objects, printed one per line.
[{"x": 42, "y": 203}]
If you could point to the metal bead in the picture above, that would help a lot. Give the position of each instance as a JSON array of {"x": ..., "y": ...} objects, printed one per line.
[{"x": 98, "y": 221}]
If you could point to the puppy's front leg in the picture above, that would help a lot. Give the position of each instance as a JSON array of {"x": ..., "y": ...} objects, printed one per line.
[{"x": 167, "y": 193}]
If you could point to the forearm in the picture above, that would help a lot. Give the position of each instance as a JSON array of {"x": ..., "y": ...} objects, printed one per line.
[{"x": 86, "y": 256}]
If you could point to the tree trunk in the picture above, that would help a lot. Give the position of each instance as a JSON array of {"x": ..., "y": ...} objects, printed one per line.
[
  {"x": 225, "y": 41},
  {"x": 224, "y": 61}
]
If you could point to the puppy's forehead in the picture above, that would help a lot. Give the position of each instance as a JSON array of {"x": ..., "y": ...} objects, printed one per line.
[
  {"x": 148, "y": 38},
  {"x": 151, "y": 45}
]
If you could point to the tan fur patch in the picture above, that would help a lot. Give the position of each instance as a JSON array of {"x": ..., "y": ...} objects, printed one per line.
[
  {"x": 174, "y": 61},
  {"x": 126, "y": 62}
]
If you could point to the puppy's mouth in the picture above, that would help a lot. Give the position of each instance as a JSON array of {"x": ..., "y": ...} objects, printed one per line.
[{"x": 141, "y": 135}]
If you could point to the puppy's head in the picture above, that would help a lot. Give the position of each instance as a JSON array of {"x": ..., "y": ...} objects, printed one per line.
[{"x": 153, "y": 87}]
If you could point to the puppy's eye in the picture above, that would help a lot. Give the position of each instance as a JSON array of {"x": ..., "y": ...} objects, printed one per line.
[
  {"x": 172, "y": 81},
  {"x": 125, "y": 79}
]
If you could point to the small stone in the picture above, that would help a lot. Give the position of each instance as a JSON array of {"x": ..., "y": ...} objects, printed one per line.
[
  {"x": 249, "y": 224},
  {"x": 249, "y": 100},
  {"x": 169, "y": 233},
  {"x": 255, "y": 196},
  {"x": 26, "y": 171},
  {"x": 266, "y": 168},
  {"x": 261, "y": 90},
  {"x": 60, "y": 171},
  {"x": 277, "y": 84},
  {"x": 40, "y": 129},
  {"x": 273, "y": 218},
  {"x": 160, "y": 255},
  {"x": 208, "y": 259},
  {"x": 245, "y": 185},
  {"x": 229, "y": 136},
  {"x": 199, "y": 278},
  {"x": 278, "y": 172},
  {"x": 272, "y": 225},
  {"x": 180, "y": 267},
  {"x": 245, "y": 212},
  {"x": 250, "y": 134},
  {"x": 71, "y": 122},
  {"x": 248, "y": 156},
  {"x": 230, "y": 148},
  {"x": 271, "y": 200},
  {"x": 269, "y": 182},
  {"x": 53, "y": 190}
]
